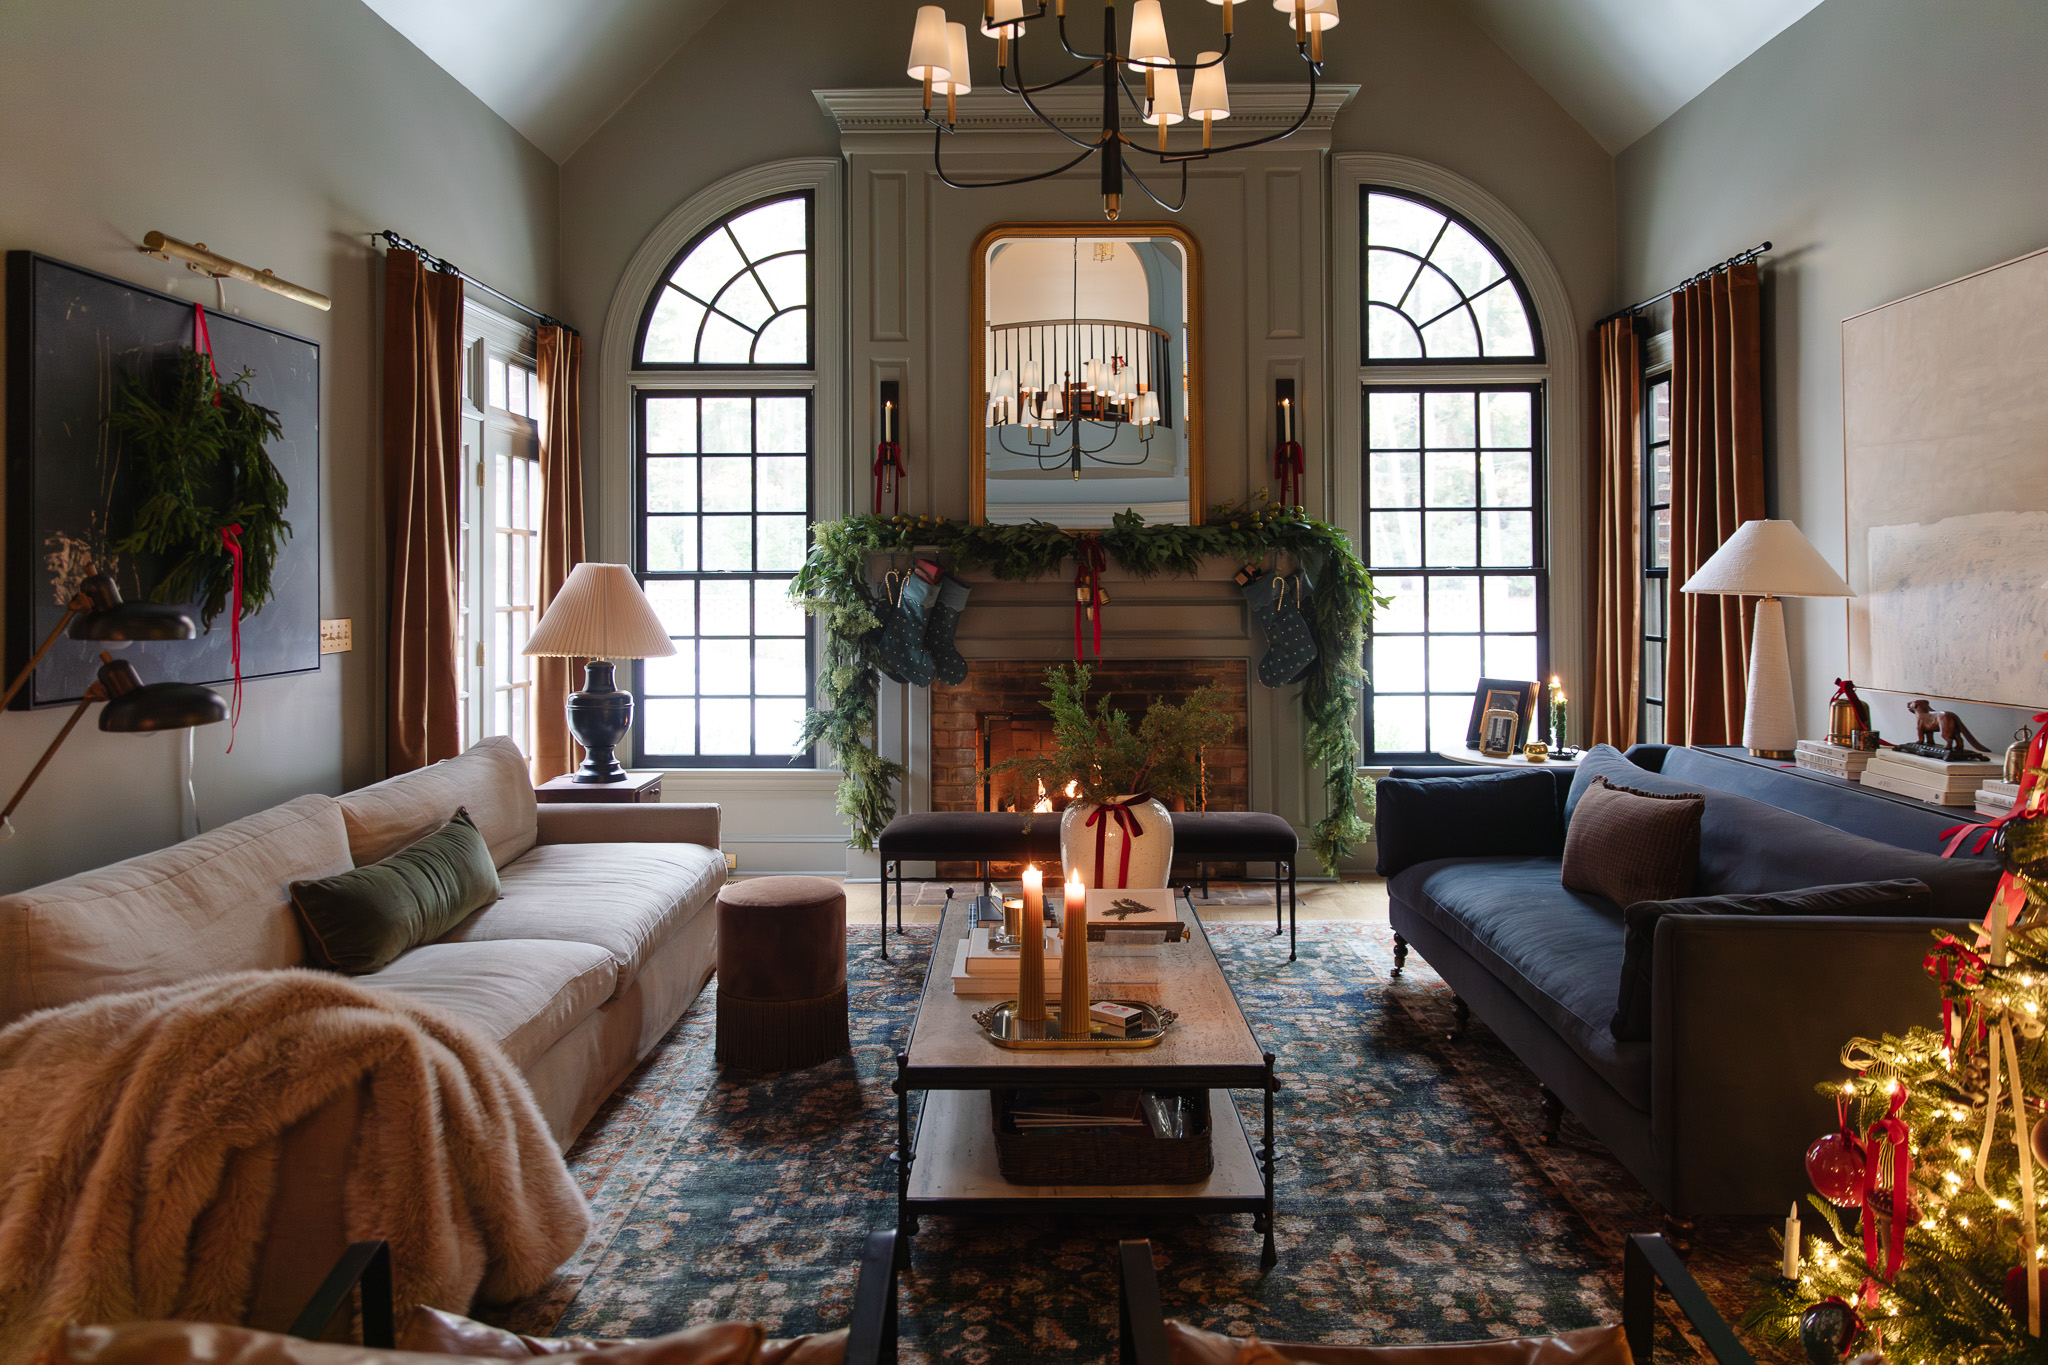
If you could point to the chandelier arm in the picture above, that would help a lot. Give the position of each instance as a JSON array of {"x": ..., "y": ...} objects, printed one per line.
[
  {"x": 1083, "y": 56},
  {"x": 1023, "y": 92},
  {"x": 1020, "y": 88},
  {"x": 1308, "y": 107},
  {"x": 1170, "y": 208},
  {"x": 939, "y": 131}
]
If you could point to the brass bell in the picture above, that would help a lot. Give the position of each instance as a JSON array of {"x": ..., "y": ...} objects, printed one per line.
[{"x": 2016, "y": 755}]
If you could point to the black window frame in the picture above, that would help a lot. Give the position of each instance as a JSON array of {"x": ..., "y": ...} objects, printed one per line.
[
  {"x": 1539, "y": 569},
  {"x": 1656, "y": 578},
  {"x": 656, "y": 295},
  {"x": 642, "y": 395},
  {"x": 1365, "y": 302}
]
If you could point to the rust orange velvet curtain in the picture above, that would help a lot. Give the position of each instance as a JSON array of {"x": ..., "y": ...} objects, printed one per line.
[
  {"x": 1618, "y": 539},
  {"x": 559, "y": 357},
  {"x": 1717, "y": 483},
  {"x": 422, "y": 506}
]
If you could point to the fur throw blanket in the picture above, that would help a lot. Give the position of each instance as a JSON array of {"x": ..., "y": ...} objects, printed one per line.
[{"x": 140, "y": 1133}]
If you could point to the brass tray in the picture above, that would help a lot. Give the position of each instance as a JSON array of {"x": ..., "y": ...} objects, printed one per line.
[{"x": 1003, "y": 1028}]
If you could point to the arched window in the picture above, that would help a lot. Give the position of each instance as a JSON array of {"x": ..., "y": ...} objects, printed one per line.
[
  {"x": 737, "y": 296},
  {"x": 1453, "y": 478},
  {"x": 725, "y": 433}
]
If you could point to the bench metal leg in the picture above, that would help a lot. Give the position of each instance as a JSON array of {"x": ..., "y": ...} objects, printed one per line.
[
  {"x": 882, "y": 924},
  {"x": 1293, "y": 939},
  {"x": 899, "y": 896},
  {"x": 1279, "y": 872}
]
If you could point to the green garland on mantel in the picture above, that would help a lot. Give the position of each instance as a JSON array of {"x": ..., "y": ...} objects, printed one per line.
[{"x": 833, "y": 585}]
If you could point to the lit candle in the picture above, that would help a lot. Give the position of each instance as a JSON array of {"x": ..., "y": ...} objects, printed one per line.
[
  {"x": 1031, "y": 958},
  {"x": 1789, "y": 1268},
  {"x": 889, "y": 420},
  {"x": 1074, "y": 961},
  {"x": 1286, "y": 419}
]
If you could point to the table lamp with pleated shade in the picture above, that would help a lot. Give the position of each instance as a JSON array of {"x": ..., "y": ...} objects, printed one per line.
[
  {"x": 600, "y": 615},
  {"x": 1768, "y": 560}
]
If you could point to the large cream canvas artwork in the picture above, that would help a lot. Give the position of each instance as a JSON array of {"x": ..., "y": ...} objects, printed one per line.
[{"x": 1945, "y": 444}]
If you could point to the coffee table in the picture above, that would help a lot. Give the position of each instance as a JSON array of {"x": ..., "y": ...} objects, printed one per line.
[{"x": 949, "y": 1060}]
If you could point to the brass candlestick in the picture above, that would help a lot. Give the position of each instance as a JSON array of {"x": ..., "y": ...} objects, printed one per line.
[{"x": 1074, "y": 964}]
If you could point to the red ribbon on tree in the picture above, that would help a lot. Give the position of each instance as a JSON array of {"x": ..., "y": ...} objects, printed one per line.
[
  {"x": 1891, "y": 1128},
  {"x": 1949, "y": 962},
  {"x": 889, "y": 472},
  {"x": 1088, "y": 595},
  {"x": 202, "y": 342},
  {"x": 1289, "y": 466},
  {"x": 231, "y": 537},
  {"x": 1958, "y": 834},
  {"x": 1118, "y": 813}
]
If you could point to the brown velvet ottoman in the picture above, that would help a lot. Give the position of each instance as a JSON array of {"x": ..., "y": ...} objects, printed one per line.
[{"x": 781, "y": 973}]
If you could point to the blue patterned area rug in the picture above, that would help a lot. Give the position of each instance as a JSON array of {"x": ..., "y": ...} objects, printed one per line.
[{"x": 1413, "y": 1202}]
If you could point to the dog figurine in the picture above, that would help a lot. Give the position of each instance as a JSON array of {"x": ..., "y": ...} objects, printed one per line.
[{"x": 1956, "y": 738}]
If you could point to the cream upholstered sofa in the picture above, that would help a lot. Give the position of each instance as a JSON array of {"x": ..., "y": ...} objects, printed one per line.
[{"x": 603, "y": 933}]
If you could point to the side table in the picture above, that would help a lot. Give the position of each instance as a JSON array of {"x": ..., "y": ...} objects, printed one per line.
[
  {"x": 1514, "y": 760},
  {"x": 636, "y": 789}
]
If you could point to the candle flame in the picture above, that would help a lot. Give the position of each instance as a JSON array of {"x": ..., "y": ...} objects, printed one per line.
[
  {"x": 1044, "y": 802},
  {"x": 1073, "y": 791}
]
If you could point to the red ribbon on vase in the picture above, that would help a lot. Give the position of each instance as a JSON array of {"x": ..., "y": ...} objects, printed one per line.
[
  {"x": 889, "y": 474},
  {"x": 1889, "y": 1129},
  {"x": 202, "y": 342},
  {"x": 1289, "y": 467},
  {"x": 1089, "y": 597},
  {"x": 1119, "y": 814},
  {"x": 231, "y": 538}
]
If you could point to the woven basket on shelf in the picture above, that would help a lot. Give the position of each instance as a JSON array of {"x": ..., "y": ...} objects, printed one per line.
[{"x": 1118, "y": 1158}]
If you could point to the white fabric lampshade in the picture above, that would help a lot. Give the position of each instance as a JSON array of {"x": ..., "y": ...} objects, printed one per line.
[
  {"x": 1006, "y": 10},
  {"x": 1165, "y": 102},
  {"x": 1211, "y": 94},
  {"x": 1148, "y": 35},
  {"x": 959, "y": 80},
  {"x": 1317, "y": 15},
  {"x": 600, "y": 613},
  {"x": 929, "y": 51},
  {"x": 1768, "y": 559}
]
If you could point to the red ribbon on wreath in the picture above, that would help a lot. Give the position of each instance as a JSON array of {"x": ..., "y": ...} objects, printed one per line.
[
  {"x": 1891, "y": 1128},
  {"x": 202, "y": 342},
  {"x": 1088, "y": 595},
  {"x": 1289, "y": 467},
  {"x": 889, "y": 473},
  {"x": 230, "y": 537},
  {"x": 1119, "y": 814},
  {"x": 2021, "y": 808}
]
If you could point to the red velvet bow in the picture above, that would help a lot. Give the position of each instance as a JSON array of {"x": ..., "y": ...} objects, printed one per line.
[
  {"x": 1288, "y": 468},
  {"x": 230, "y": 536},
  {"x": 889, "y": 472},
  {"x": 1089, "y": 562},
  {"x": 1950, "y": 962},
  {"x": 1891, "y": 1128},
  {"x": 1956, "y": 834},
  {"x": 1118, "y": 812}
]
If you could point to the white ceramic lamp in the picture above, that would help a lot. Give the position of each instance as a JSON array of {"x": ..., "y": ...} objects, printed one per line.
[
  {"x": 1768, "y": 560},
  {"x": 600, "y": 615}
]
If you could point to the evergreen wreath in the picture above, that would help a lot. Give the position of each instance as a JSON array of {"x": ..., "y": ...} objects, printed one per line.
[
  {"x": 833, "y": 585},
  {"x": 204, "y": 467}
]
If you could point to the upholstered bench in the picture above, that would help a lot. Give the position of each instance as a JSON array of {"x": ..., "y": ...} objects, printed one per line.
[{"x": 986, "y": 837}]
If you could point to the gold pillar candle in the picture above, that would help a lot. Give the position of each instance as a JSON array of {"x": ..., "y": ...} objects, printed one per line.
[
  {"x": 1074, "y": 961},
  {"x": 1013, "y": 916},
  {"x": 1031, "y": 958}
]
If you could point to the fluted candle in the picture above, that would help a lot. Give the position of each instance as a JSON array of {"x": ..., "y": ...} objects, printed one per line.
[
  {"x": 1031, "y": 958},
  {"x": 1074, "y": 961}
]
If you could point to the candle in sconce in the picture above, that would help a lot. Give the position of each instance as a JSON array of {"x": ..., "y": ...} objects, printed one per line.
[
  {"x": 1074, "y": 961},
  {"x": 1789, "y": 1266},
  {"x": 1031, "y": 958},
  {"x": 1286, "y": 419},
  {"x": 889, "y": 421}
]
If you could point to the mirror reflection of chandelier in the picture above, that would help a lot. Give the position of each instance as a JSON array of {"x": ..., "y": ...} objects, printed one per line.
[{"x": 1071, "y": 384}]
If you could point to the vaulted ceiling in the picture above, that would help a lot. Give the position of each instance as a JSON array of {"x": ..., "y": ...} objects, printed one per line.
[{"x": 557, "y": 69}]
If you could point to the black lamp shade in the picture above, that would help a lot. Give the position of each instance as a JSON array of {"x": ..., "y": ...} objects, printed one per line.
[
  {"x": 109, "y": 618},
  {"x": 162, "y": 706}
]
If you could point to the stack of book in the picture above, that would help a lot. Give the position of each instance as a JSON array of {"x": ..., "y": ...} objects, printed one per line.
[
  {"x": 1997, "y": 798},
  {"x": 1936, "y": 781},
  {"x": 981, "y": 971},
  {"x": 1819, "y": 756}
]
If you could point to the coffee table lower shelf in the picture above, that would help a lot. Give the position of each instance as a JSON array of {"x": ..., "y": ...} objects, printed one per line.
[{"x": 954, "y": 1171}]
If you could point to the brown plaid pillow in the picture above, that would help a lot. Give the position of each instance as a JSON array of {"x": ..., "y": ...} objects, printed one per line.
[{"x": 1630, "y": 845}]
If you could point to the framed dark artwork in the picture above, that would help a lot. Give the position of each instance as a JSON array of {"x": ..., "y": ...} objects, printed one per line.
[
  {"x": 75, "y": 341},
  {"x": 1502, "y": 694}
]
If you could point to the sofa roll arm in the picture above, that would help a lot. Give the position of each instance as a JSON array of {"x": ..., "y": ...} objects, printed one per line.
[
  {"x": 672, "y": 822},
  {"x": 1748, "y": 1016},
  {"x": 1460, "y": 813}
]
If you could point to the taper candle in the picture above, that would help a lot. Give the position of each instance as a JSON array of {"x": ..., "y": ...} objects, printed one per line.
[
  {"x": 1031, "y": 957},
  {"x": 1789, "y": 1268},
  {"x": 1074, "y": 961}
]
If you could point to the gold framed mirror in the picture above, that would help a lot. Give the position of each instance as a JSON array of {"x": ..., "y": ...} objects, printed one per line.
[{"x": 1088, "y": 374}]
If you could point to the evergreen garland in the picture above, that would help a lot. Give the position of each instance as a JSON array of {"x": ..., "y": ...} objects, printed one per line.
[
  {"x": 204, "y": 467},
  {"x": 833, "y": 585}
]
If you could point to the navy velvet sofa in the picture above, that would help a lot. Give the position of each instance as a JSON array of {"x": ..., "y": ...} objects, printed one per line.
[{"x": 1714, "y": 1111}]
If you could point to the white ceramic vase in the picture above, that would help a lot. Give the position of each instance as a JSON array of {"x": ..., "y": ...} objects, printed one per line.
[{"x": 1151, "y": 851}]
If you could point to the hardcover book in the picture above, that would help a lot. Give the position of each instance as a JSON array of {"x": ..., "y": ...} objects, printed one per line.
[{"x": 1875, "y": 776}]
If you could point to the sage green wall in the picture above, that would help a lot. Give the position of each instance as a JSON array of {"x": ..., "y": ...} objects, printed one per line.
[
  {"x": 281, "y": 135},
  {"x": 1882, "y": 146}
]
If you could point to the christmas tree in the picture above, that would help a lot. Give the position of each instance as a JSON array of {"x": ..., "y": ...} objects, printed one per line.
[{"x": 1934, "y": 1191}]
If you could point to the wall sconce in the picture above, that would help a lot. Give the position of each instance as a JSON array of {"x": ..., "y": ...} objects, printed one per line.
[
  {"x": 889, "y": 469},
  {"x": 1288, "y": 464}
]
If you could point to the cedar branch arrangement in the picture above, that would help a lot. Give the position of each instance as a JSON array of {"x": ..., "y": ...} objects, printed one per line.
[{"x": 1104, "y": 756}]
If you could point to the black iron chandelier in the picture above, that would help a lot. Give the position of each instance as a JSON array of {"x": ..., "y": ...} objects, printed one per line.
[{"x": 938, "y": 58}]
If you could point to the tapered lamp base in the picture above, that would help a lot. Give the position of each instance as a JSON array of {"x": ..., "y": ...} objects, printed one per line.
[{"x": 1768, "y": 727}]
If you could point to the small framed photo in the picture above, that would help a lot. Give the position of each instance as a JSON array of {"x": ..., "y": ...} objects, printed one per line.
[
  {"x": 1503, "y": 694},
  {"x": 1497, "y": 732}
]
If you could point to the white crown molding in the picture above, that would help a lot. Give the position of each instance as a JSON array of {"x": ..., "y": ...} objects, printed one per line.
[{"x": 898, "y": 111}]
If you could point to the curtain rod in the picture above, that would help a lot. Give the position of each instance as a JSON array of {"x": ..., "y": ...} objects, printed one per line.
[
  {"x": 449, "y": 267},
  {"x": 1737, "y": 259}
]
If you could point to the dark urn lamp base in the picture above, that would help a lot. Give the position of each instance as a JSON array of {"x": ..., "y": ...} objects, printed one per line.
[{"x": 599, "y": 717}]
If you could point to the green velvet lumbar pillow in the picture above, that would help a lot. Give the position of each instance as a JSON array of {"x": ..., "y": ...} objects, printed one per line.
[{"x": 361, "y": 921}]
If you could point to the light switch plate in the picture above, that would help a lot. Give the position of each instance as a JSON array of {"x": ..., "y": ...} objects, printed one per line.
[
  {"x": 337, "y": 637},
  {"x": 732, "y": 862}
]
